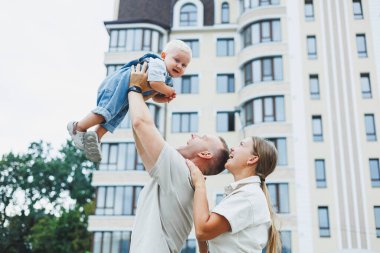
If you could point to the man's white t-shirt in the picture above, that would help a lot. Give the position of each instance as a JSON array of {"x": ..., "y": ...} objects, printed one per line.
[{"x": 165, "y": 207}]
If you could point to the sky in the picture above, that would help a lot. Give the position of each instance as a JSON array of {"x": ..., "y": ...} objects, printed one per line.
[{"x": 51, "y": 64}]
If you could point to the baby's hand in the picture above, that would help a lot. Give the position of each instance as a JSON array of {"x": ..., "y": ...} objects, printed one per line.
[{"x": 160, "y": 98}]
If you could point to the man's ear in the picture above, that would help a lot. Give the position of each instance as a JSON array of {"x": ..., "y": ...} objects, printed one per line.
[
  {"x": 252, "y": 160},
  {"x": 205, "y": 155},
  {"x": 163, "y": 55}
]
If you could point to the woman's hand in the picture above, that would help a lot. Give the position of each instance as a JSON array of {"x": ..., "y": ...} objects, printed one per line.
[{"x": 196, "y": 175}]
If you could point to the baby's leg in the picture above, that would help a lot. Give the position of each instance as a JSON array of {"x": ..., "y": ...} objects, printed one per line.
[
  {"x": 92, "y": 119},
  {"x": 100, "y": 131}
]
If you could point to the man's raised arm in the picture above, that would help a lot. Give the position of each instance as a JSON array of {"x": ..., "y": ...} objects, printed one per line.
[{"x": 149, "y": 141}]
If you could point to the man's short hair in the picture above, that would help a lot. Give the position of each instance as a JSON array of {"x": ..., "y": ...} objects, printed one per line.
[{"x": 219, "y": 160}]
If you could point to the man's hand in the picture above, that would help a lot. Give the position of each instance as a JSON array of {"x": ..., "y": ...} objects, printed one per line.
[{"x": 139, "y": 76}]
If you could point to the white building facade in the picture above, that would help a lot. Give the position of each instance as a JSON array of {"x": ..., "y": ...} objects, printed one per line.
[{"x": 304, "y": 74}]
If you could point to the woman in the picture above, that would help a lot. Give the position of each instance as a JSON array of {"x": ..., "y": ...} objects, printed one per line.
[{"x": 243, "y": 220}]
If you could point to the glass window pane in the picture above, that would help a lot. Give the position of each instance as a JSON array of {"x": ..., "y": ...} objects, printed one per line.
[
  {"x": 113, "y": 39},
  {"x": 194, "y": 122},
  {"x": 267, "y": 69},
  {"x": 116, "y": 237},
  {"x": 314, "y": 86},
  {"x": 194, "y": 84},
  {"x": 138, "y": 40},
  {"x": 119, "y": 200},
  {"x": 284, "y": 198},
  {"x": 278, "y": 74},
  {"x": 106, "y": 242},
  {"x": 222, "y": 122},
  {"x": 97, "y": 242},
  {"x": 130, "y": 154},
  {"x": 104, "y": 162},
  {"x": 282, "y": 153},
  {"x": 130, "y": 36},
  {"x": 221, "y": 83},
  {"x": 377, "y": 220},
  {"x": 121, "y": 40},
  {"x": 231, "y": 48},
  {"x": 369, "y": 124},
  {"x": 268, "y": 109},
  {"x": 257, "y": 77},
  {"x": 110, "y": 197},
  {"x": 248, "y": 113},
  {"x": 361, "y": 45},
  {"x": 286, "y": 241},
  {"x": 125, "y": 241},
  {"x": 265, "y": 31},
  {"x": 155, "y": 41},
  {"x": 147, "y": 38},
  {"x": 176, "y": 122},
  {"x": 128, "y": 197},
  {"x": 221, "y": 47},
  {"x": 273, "y": 196},
  {"x": 185, "y": 122},
  {"x": 258, "y": 111},
  {"x": 100, "y": 197},
  {"x": 256, "y": 33},
  {"x": 276, "y": 30},
  {"x": 280, "y": 109}
]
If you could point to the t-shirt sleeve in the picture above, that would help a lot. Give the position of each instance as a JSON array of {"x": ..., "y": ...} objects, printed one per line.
[
  {"x": 238, "y": 210},
  {"x": 156, "y": 70},
  {"x": 170, "y": 170}
]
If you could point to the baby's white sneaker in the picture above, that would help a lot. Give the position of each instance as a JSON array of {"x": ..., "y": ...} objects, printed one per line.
[
  {"x": 76, "y": 135},
  {"x": 92, "y": 147}
]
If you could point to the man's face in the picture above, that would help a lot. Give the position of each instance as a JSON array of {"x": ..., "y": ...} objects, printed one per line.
[{"x": 197, "y": 144}]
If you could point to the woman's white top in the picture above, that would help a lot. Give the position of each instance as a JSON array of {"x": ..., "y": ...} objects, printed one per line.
[{"x": 245, "y": 207}]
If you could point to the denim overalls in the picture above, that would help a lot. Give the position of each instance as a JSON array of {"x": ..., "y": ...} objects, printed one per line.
[{"x": 112, "y": 100}]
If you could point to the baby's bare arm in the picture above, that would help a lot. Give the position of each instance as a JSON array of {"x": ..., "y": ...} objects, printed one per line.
[{"x": 162, "y": 88}]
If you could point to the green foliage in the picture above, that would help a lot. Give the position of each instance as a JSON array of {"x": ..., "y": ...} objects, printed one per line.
[{"x": 31, "y": 190}]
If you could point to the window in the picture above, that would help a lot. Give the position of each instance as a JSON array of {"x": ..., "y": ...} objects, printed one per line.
[
  {"x": 218, "y": 198},
  {"x": 280, "y": 144},
  {"x": 225, "y": 13},
  {"x": 317, "y": 128},
  {"x": 314, "y": 86},
  {"x": 117, "y": 200},
  {"x": 262, "y": 31},
  {"x": 375, "y": 172},
  {"x": 225, "y": 83},
  {"x": 184, "y": 122},
  {"x": 225, "y": 121},
  {"x": 365, "y": 85},
  {"x": 311, "y": 47},
  {"x": 154, "y": 111},
  {"x": 133, "y": 39},
  {"x": 187, "y": 84},
  {"x": 324, "y": 223},
  {"x": 120, "y": 156},
  {"x": 115, "y": 241},
  {"x": 225, "y": 47},
  {"x": 279, "y": 197},
  {"x": 309, "y": 10},
  {"x": 263, "y": 70},
  {"x": 252, "y": 4},
  {"x": 113, "y": 68},
  {"x": 361, "y": 45},
  {"x": 377, "y": 220},
  {"x": 370, "y": 127},
  {"x": 189, "y": 247},
  {"x": 194, "y": 45},
  {"x": 286, "y": 240},
  {"x": 264, "y": 109},
  {"x": 320, "y": 174},
  {"x": 188, "y": 15},
  {"x": 357, "y": 7}
]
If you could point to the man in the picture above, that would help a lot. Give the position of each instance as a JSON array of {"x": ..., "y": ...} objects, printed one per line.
[{"x": 165, "y": 208}]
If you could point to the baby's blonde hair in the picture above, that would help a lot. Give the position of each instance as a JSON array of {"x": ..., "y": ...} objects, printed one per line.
[{"x": 178, "y": 44}]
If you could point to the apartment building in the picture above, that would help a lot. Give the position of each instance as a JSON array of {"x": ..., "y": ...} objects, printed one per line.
[{"x": 303, "y": 74}]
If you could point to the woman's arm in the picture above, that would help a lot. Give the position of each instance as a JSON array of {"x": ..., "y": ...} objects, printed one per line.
[{"x": 207, "y": 226}]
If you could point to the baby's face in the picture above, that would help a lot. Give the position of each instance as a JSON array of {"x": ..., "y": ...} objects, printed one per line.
[{"x": 176, "y": 62}]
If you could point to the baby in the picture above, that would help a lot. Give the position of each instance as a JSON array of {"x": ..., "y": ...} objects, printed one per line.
[{"x": 112, "y": 99}]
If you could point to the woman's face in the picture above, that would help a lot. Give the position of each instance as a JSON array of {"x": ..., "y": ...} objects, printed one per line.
[{"x": 240, "y": 155}]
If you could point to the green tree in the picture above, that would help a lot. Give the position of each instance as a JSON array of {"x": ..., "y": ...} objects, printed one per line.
[{"x": 31, "y": 189}]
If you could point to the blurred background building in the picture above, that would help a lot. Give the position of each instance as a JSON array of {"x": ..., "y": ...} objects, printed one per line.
[{"x": 304, "y": 74}]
